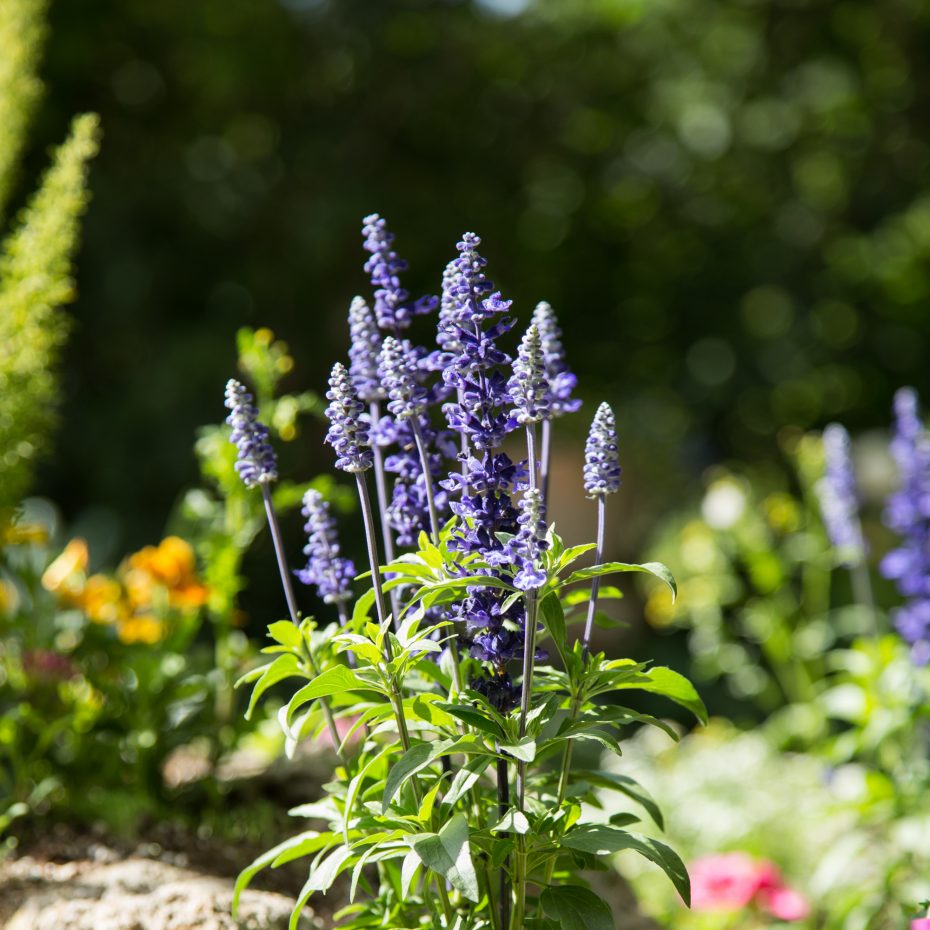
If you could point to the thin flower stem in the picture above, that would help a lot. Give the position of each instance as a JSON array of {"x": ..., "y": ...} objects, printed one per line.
[
  {"x": 292, "y": 608},
  {"x": 596, "y": 581},
  {"x": 503, "y": 805},
  {"x": 529, "y": 658},
  {"x": 544, "y": 459},
  {"x": 434, "y": 527},
  {"x": 374, "y": 409},
  {"x": 427, "y": 478},
  {"x": 585, "y": 644},
  {"x": 396, "y": 699},
  {"x": 862, "y": 587}
]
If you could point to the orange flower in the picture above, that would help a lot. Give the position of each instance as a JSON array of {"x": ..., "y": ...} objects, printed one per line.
[
  {"x": 102, "y": 599},
  {"x": 65, "y": 576},
  {"x": 143, "y": 629},
  {"x": 171, "y": 565}
]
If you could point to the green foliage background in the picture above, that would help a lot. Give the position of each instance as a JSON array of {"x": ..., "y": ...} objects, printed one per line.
[{"x": 724, "y": 199}]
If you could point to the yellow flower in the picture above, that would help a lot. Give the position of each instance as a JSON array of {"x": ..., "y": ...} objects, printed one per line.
[
  {"x": 9, "y": 598},
  {"x": 23, "y": 534},
  {"x": 143, "y": 629},
  {"x": 102, "y": 599},
  {"x": 65, "y": 576},
  {"x": 138, "y": 585}
]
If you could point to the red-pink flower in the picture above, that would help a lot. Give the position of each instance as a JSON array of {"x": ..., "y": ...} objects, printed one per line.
[
  {"x": 922, "y": 923},
  {"x": 786, "y": 904},
  {"x": 734, "y": 881}
]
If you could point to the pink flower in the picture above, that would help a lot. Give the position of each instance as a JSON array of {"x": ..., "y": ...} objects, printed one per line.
[
  {"x": 734, "y": 881},
  {"x": 728, "y": 882},
  {"x": 786, "y": 904},
  {"x": 922, "y": 923}
]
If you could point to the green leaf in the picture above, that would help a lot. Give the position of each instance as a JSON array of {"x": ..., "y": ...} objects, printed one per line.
[
  {"x": 605, "y": 592},
  {"x": 464, "y": 778},
  {"x": 553, "y": 619},
  {"x": 657, "y": 569},
  {"x": 513, "y": 821},
  {"x": 447, "y": 853},
  {"x": 284, "y": 666},
  {"x": 334, "y": 680},
  {"x": 408, "y": 872},
  {"x": 415, "y": 759},
  {"x": 474, "y": 718},
  {"x": 524, "y": 749},
  {"x": 577, "y": 908},
  {"x": 628, "y": 786},
  {"x": 603, "y": 839},
  {"x": 263, "y": 861},
  {"x": 285, "y": 633},
  {"x": 675, "y": 687},
  {"x": 321, "y": 879}
]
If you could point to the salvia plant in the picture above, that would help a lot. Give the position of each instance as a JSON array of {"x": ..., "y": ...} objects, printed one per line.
[{"x": 447, "y": 675}]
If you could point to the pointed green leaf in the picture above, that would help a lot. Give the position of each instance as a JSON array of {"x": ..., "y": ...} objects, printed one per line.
[
  {"x": 524, "y": 749},
  {"x": 628, "y": 786},
  {"x": 577, "y": 908},
  {"x": 675, "y": 687},
  {"x": 285, "y": 666},
  {"x": 285, "y": 633},
  {"x": 415, "y": 759},
  {"x": 447, "y": 853},
  {"x": 603, "y": 839},
  {"x": 656, "y": 569},
  {"x": 334, "y": 680}
]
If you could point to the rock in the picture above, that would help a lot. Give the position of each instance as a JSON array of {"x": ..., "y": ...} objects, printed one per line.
[{"x": 134, "y": 894}]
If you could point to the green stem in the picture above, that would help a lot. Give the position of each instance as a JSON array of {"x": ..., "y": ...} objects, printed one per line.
[
  {"x": 294, "y": 612},
  {"x": 397, "y": 702}
]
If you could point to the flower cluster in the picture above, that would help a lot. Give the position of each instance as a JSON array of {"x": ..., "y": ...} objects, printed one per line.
[
  {"x": 256, "y": 461},
  {"x": 601, "y": 458},
  {"x": 397, "y": 369},
  {"x": 138, "y": 599},
  {"x": 735, "y": 881},
  {"x": 561, "y": 382},
  {"x": 838, "y": 498},
  {"x": 908, "y": 514},
  {"x": 393, "y": 309},
  {"x": 327, "y": 570},
  {"x": 348, "y": 428}
]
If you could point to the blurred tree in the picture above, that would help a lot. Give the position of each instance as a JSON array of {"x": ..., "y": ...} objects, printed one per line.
[
  {"x": 35, "y": 257},
  {"x": 724, "y": 199}
]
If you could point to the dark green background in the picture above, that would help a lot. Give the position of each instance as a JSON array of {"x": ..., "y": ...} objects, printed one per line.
[{"x": 725, "y": 201}]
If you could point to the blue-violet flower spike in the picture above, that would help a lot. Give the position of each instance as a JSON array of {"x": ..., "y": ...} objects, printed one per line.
[
  {"x": 348, "y": 431},
  {"x": 601, "y": 458},
  {"x": 256, "y": 460},
  {"x": 397, "y": 366},
  {"x": 907, "y": 512},
  {"x": 528, "y": 385},
  {"x": 363, "y": 352},
  {"x": 561, "y": 381},
  {"x": 326, "y": 569},
  {"x": 838, "y": 498}
]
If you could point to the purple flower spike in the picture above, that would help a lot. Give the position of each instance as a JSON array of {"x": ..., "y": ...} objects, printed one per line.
[
  {"x": 348, "y": 432},
  {"x": 393, "y": 309},
  {"x": 256, "y": 461},
  {"x": 561, "y": 381},
  {"x": 602, "y": 460},
  {"x": 326, "y": 569},
  {"x": 527, "y": 547},
  {"x": 528, "y": 386},
  {"x": 397, "y": 366},
  {"x": 363, "y": 353},
  {"x": 500, "y": 692},
  {"x": 838, "y": 498},
  {"x": 907, "y": 511}
]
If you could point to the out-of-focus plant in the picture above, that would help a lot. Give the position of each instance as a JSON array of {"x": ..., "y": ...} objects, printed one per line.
[
  {"x": 35, "y": 256},
  {"x": 864, "y": 708},
  {"x": 114, "y": 691},
  {"x": 835, "y": 833},
  {"x": 755, "y": 569}
]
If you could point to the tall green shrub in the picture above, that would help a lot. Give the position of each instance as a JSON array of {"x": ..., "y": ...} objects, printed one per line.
[{"x": 35, "y": 255}]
